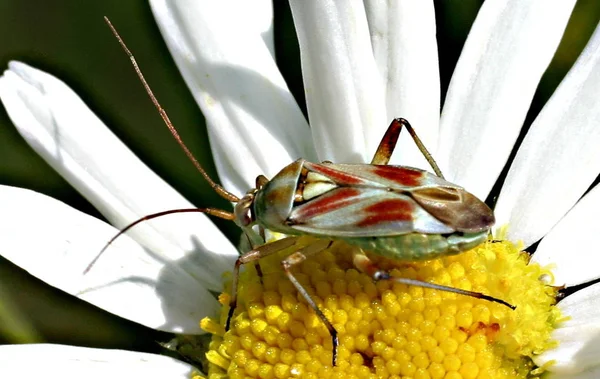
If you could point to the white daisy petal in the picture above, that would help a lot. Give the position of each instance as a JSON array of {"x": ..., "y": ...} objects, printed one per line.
[
  {"x": 579, "y": 337},
  {"x": 61, "y": 361},
  {"x": 254, "y": 123},
  {"x": 345, "y": 95},
  {"x": 558, "y": 159},
  {"x": 593, "y": 373},
  {"x": 63, "y": 130},
  {"x": 571, "y": 242},
  {"x": 260, "y": 14},
  {"x": 508, "y": 49},
  {"x": 127, "y": 280},
  {"x": 405, "y": 50}
]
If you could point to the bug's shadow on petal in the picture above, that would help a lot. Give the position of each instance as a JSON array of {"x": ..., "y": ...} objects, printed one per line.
[{"x": 189, "y": 286}]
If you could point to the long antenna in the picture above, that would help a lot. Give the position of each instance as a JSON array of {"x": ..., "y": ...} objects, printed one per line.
[
  {"x": 211, "y": 211},
  {"x": 163, "y": 114}
]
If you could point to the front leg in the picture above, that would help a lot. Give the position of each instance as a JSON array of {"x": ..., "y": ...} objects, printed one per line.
[
  {"x": 253, "y": 256},
  {"x": 297, "y": 258}
]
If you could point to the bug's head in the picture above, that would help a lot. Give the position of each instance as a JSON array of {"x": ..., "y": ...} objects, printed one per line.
[
  {"x": 244, "y": 209},
  {"x": 274, "y": 200},
  {"x": 456, "y": 207}
]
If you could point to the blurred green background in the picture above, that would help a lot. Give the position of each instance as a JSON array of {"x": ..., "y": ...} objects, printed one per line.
[{"x": 70, "y": 40}]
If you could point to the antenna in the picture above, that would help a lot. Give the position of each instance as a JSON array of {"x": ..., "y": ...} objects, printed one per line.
[
  {"x": 210, "y": 211},
  {"x": 163, "y": 114}
]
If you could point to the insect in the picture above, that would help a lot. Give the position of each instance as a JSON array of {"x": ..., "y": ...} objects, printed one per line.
[{"x": 401, "y": 213}]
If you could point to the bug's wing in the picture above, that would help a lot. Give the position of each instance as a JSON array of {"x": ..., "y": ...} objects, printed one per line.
[
  {"x": 357, "y": 200},
  {"x": 363, "y": 211},
  {"x": 379, "y": 176}
]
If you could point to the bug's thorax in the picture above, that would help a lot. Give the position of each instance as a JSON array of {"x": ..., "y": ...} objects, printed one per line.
[
  {"x": 274, "y": 201},
  {"x": 270, "y": 203}
]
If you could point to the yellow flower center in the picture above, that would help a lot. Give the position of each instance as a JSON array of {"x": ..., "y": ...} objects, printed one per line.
[{"x": 387, "y": 329}]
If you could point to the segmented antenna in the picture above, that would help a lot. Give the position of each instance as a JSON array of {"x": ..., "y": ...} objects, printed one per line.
[
  {"x": 210, "y": 211},
  {"x": 163, "y": 114}
]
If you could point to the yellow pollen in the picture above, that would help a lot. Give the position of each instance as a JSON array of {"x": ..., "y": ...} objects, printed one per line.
[{"x": 387, "y": 329}]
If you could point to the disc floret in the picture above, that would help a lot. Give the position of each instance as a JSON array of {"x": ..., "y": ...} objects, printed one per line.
[{"x": 388, "y": 329}]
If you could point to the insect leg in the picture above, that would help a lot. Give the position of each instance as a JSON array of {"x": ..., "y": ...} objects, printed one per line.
[
  {"x": 390, "y": 138},
  {"x": 388, "y": 143},
  {"x": 297, "y": 258},
  {"x": 261, "y": 233},
  {"x": 247, "y": 245},
  {"x": 364, "y": 264},
  {"x": 252, "y": 256},
  {"x": 260, "y": 182}
]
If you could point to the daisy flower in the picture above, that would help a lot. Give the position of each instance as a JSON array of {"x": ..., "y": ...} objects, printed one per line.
[{"x": 363, "y": 64}]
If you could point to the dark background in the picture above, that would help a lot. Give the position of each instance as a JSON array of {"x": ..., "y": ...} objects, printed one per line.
[{"x": 70, "y": 40}]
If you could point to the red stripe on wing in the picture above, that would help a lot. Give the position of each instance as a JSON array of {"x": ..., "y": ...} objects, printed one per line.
[
  {"x": 335, "y": 199},
  {"x": 387, "y": 210},
  {"x": 337, "y": 176},
  {"x": 404, "y": 176}
]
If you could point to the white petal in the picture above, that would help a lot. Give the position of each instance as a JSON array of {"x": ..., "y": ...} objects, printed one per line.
[
  {"x": 405, "y": 50},
  {"x": 569, "y": 246},
  {"x": 259, "y": 14},
  {"x": 254, "y": 123},
  {"x": 344, "y": 91},
  {"x": 558, "y": 159},
  {"x": 63, "y": 130},
  {"x": 579, "y": 337},
  {"x": 55, "y": 243},
  {"x": 61, "y": 361},
  {"x": 508, "y": 49},
  {"x": 593, "y": 373}
]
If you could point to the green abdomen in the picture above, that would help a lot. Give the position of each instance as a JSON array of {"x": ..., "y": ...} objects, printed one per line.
[{"x": 418, "y": 246}]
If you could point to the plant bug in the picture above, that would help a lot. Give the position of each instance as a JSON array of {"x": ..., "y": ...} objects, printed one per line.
[{"x": 402, "y": 213}]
